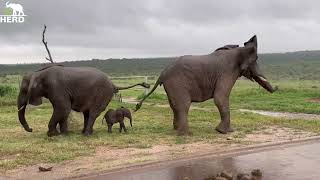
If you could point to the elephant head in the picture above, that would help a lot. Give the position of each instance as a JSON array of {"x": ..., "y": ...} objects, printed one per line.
[
  {"x": 249, "y": 67},
  {"x": 30, "y": 93}
]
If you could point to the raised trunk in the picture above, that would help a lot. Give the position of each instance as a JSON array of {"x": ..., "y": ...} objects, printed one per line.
[
  {"x": 264, "y": 83},
  {"x": 21, "y": 114}
]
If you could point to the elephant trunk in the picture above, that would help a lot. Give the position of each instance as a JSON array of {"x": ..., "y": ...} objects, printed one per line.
[
  {"x": 23, "y": 100},
  {"x": 21, "y": 114},
  {"x": 262, "y": 81}
]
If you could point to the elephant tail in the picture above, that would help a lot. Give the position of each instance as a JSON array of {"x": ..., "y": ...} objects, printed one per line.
[
  {"x": 138, "y": 106},
  {"x": 130, "y": 118},
  {"x": 143, "y": 84}
]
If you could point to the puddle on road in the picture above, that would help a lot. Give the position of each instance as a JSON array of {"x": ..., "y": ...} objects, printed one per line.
[{"x": 292, "y": 163}]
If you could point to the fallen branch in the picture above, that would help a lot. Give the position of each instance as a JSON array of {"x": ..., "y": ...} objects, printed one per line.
[
  {"x": 46, "y": 45},
  {"x": 43, "y": 169}
]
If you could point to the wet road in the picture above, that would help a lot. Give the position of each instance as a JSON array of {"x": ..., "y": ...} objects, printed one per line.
[{"x": 301, "y": 162}]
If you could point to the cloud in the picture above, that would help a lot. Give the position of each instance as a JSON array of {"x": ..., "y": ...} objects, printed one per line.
[{"x": 124, "y": 28}]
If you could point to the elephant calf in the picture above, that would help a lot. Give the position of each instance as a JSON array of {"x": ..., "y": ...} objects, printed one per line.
[{"x": 117, "y": 116}]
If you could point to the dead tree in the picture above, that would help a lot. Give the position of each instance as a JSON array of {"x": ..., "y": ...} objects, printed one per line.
[{"x": 46, "y": 45}]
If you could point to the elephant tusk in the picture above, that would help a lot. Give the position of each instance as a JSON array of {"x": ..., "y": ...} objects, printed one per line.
[
  {"x": 262, "y": 78},
  {"x": 21, "y": 108}
]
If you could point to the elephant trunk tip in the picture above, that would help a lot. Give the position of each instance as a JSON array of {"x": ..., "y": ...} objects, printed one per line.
[
  {"x": 28, "y": 129},
  {"x": 138, "y": 106},
  {"x": 276, "y": 88}
]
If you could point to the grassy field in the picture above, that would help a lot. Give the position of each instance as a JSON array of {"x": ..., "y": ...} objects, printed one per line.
[
  {"x": 151, "y": 125},
  {"x": 292, "y": 96}
]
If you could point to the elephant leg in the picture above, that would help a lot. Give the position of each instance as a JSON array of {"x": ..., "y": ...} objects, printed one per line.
[
  {"x": 60, "y": 114},
  {"x": 120, "y": 129},
  {"x": 52, "y": 127},
  {"x": 95, "y": 111},
  {"x": 92, "y": 118},
  {"x": 63, "y": 127},
  {"x": 175, "y": 116},
  {"x": 183, "y": 127},
  {"x": 109, "y": 128},
  {"x": 123, "y": 127},
  {"x": 85, "y": 118},
  {"x": 180, "y": 110},
  {"x": 89, "y": 128},
  {"x": 222, "y": 102},
  {"x": 180, "y": 102}
]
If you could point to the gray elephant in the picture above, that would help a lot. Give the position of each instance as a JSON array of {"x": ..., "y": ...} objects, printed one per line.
[
  {"x": 81, "y": 89},
  {"x": 199, "y": 78},
  {"x": 117, "y": 116}
]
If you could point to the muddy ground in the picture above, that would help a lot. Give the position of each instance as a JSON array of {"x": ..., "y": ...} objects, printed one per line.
[{"x": 107, "y": 158}]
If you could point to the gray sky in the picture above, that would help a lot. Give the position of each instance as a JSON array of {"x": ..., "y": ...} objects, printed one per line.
[{"x": 86, "y": 29}]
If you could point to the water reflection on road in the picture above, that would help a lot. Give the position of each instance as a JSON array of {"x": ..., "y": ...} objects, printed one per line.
[{"x": 292, "y": 163}]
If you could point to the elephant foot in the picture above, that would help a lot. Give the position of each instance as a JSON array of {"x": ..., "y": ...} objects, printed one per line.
[
  {"x": 223, "y": 130},
  {"x": 87, "y": 132},
  {"x": 65, "y": 133},
  {"x": 175, "y": 126},
  {"x": 183, "y": 132},
  {"x": 53, "y": 133}
]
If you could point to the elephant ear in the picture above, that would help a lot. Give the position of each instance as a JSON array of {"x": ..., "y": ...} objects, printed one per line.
[
  {"x": 34, "y": 89},
  {"x": 249, "y": 53},
  {"x": 249, "y": 56},
  {"x": 252, "y": 42}
]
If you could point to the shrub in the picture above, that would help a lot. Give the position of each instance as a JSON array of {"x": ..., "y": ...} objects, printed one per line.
[{"x": 6, "y": 90}]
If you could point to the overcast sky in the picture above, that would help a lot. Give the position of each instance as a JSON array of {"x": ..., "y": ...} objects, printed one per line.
[{"x": 84, "y": 29}]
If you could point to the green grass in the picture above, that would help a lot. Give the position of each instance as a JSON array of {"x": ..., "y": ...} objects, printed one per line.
[
  {"x": 292, "y": 96},
  {"x": 151, "y": 125}
]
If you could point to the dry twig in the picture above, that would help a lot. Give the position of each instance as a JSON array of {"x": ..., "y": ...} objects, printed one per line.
[{"x": 46, "y": 45}]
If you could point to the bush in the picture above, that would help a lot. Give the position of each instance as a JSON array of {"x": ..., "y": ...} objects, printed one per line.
[{"x": 6, "y": 90}]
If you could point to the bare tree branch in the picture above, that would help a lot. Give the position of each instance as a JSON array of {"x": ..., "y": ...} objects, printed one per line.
[{"x": 46, "y": 45}]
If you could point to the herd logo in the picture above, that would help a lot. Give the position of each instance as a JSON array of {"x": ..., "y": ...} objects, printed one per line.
[{"x": 13, "y": 13}]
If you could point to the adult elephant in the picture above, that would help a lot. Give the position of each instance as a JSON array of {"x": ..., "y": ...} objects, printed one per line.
[
  {"x": 199, "y": 78},
  {"x": 82, "y": 89}
]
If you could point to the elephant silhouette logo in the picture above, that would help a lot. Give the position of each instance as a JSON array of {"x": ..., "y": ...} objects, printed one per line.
[
  {"x": 17, "y": 9},
  {"x": 13, "y": 13}
]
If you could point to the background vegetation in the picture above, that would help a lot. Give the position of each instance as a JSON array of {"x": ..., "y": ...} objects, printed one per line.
[{"x": 302, "y": 65}]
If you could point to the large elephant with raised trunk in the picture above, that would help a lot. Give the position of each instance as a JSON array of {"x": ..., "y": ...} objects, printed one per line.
[
  {"x": 81, "y": 89},
  {"x": 199, "y": 78}
]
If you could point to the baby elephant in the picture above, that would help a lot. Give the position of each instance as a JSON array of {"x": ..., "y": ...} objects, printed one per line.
[{"x": 117, "y": 116}]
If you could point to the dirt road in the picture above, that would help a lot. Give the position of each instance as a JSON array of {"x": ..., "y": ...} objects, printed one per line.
[{"x": 286, "y": 162}]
